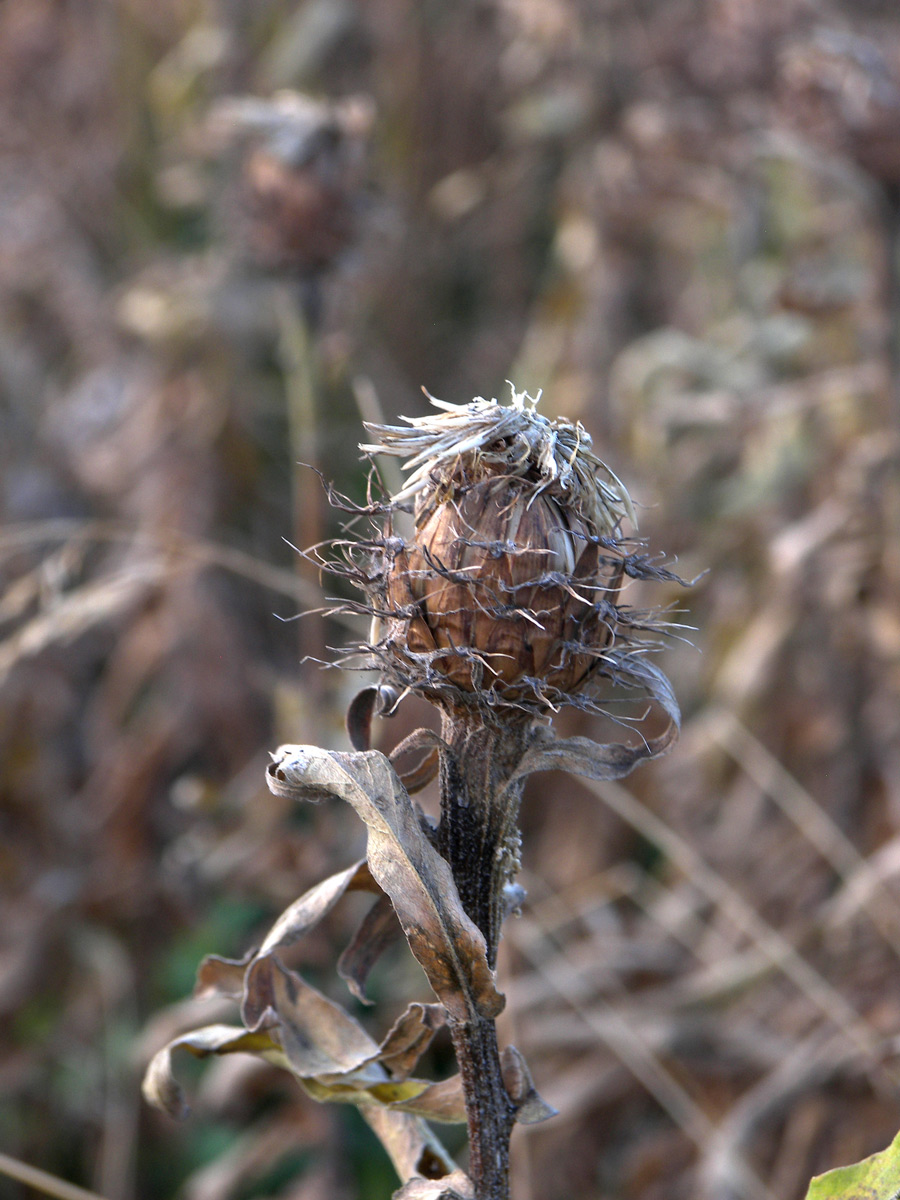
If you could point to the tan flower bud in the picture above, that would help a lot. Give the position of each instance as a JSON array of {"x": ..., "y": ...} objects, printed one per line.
[
  {"x": 510, "y": 586},
  {"x": 507, "y": 591}
]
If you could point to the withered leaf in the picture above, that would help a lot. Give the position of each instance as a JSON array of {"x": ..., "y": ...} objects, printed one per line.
[
  {"x": 419, "y": 776},
  {"x": 450, "y": 948},
  {"x": 374, "y": 934},
  {"x": 412, "y": 1096},
  {"x": 409, "y": 1038},
  {"x": 369, "y": 702},
  {"x": 217, "y": 976},
  {"x": 307, "y": 911},
  {"x": 413, "y": 1148},
  {"x": 329, "y": 1053},
  {"x": 317, "y": 1035},
  {"x": 581, "y": 756},
  {"x": 358, "y": 721},
  {"x": 457, "y": 1186},
  {"x": 531, "y": 1109},
  {"x": 162, "y": 1089},
  {"x": 444, "y": 1101},
  {"x": 426, "y": 769}
]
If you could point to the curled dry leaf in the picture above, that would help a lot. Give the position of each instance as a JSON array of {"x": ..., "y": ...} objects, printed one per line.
[
  {"x": 457, "y": 1186},
  {"x": 409, "y": 1038},
  {"x": 447, "y": 944},
  {"x": 222, "y": 977},
  {"x": 294, "y": 1026},
  {"x": 374, "y": 701},
  {"x": 369, "y": 702},
  {"x": 413, "y": 1148},
  {"x": 317, "y": 1035},
  {"x": 310, "y": 908},
  {"x": 332, "y": 1055},
  {"x": 375, "y": 932},
  {"x": 581, "y": 756},
  {"x": 162, "y": 1089},
  {"x": 425, "y": 741},
  {"x": 531, "y": 1108},
  {"x": 219, "y": 976},
  {"x": 444, "y": 1102}
]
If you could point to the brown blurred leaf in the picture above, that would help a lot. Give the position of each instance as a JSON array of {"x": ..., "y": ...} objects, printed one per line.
[
  {"x": 443, "y": 1101},
  {"x": 360, "y": 712},
  {"x": 409, "y": 1038},
  {"x": 457, "y": 1186},
  {"x": 219, "y": 976},
  {"x": 375, "y": 932},
  {"x": 332, "y": 1055},
  {"x": 369, "y": 702},
  {"x": 426, "y": 768},
  {"x": 294, "y": 1026},
  {"x": 581, "y": 756},
  {"x": 446, "y": 943},
  {"x": 310, "y": 908},
  {"x": 161, "y": 1088},
  {"x": 318, "y": 1036},
  {"x": 413, "y": 1148},
  {"x": 613, "y": 760},
  {"x": 531, "y": 1109}
]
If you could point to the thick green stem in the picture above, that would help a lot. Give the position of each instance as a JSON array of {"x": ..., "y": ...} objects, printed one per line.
[{"x": 478, "y": 837}]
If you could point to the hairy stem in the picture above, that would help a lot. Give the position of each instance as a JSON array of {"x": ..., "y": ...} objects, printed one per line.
[{"x": 478, "y": 837}]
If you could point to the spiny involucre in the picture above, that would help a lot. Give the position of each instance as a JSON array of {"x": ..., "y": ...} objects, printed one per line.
[{"x": 505, "y": 591}]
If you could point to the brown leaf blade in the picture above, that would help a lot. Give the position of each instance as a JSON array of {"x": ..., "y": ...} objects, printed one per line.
[
  {"x": 307, "y": 911},
  {"x": 331, "y": 1056},
  {"x": 531, "y": 1108},
  {"x": 412, "y": 1147},
  {"x": 317, "y": 1036},
  {"x": 444, "y": 1102},
  {"x": 409, "y": 1038},
  {"x": 226, "y": 977},
  {"x": 219, "y": 977},
  {"x": 162, "y": 1089},
  {"x": 374, "y": 934},
  {"x": 447, "y": 944},
  {"x": 581, "y": 756},
  {"x": 457, "y": 1186}
]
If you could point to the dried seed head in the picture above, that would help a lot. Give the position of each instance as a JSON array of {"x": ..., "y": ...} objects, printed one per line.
[
  {"x": 494, "y": 574},
  {"x": 507, "y": 592}
]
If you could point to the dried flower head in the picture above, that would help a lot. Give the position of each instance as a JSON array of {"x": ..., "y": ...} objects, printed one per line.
[
  {"x": 298, "y": 171},
  {"x": 507, "y": 591}
]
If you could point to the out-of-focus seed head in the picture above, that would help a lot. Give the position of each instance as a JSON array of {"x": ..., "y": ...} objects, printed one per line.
[
  {"x": 296, "y": 177},
  {"x": 506, "y": 591}
]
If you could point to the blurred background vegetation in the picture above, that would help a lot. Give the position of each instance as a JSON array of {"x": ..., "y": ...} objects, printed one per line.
[{"x": 677, "y": 217}]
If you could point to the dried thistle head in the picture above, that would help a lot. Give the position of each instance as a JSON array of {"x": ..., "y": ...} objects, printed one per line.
[
  {"x": 298, "y": 172},
  {"x": 507, "y": 593}
]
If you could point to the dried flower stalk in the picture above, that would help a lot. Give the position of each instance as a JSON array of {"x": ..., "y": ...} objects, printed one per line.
[{"x": 502, "y": 605}]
